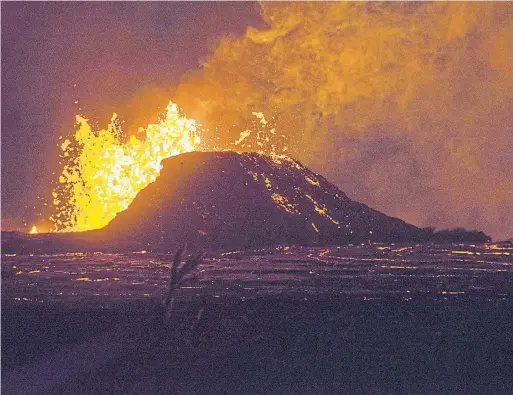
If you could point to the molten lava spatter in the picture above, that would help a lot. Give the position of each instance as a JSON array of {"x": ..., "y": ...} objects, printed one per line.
[
  {"x": 104, "y": 173},
  {"x": 262, "y": 137}
]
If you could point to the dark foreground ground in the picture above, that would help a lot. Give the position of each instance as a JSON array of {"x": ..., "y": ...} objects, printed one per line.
[{"x": 356, "y": 320}]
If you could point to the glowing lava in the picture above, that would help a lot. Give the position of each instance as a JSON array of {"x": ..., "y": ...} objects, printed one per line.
[{"x": 104, "y": 172}]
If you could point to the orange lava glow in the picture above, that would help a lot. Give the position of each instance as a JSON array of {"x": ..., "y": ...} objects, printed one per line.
[
  {"x": 407, "y": 105},
  {"x": 104, "y": 172}
]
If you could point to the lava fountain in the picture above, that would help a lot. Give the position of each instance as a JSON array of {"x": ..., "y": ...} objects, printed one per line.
[{"x": 104, "y": 170}]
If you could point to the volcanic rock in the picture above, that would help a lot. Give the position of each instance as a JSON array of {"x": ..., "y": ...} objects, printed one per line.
[{"x": 227, "y": 200}]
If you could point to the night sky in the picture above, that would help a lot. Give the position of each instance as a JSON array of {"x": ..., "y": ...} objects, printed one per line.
[{"x": 407, "y": 108}]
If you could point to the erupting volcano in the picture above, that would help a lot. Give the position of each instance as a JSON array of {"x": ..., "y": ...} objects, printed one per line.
[
  {"x": 242, "y": 198},
  {"x": 228, "y": 200}
]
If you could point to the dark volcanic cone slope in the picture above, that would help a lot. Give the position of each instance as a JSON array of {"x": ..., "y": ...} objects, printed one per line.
[{"x": 224, "y": 200}]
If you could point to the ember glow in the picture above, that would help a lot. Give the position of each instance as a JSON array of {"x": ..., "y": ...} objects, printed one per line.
[{"x": 105, "y": 170}]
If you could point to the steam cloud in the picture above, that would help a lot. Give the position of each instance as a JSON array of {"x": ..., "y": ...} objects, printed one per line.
[{"x": 408, "y": 107}]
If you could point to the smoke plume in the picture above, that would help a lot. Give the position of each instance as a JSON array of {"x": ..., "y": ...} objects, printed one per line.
[{"x": 408, "y": 107}]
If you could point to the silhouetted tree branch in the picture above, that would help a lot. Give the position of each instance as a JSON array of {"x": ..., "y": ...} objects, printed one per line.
[{"x": 177, "y": 277}]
